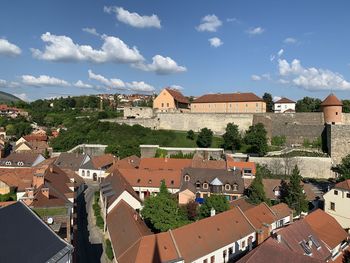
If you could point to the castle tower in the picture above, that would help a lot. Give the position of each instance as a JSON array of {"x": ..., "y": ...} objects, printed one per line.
[{"x": 332, "y": 109}]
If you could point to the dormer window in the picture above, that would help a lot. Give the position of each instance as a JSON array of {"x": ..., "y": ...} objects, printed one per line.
[
  {"x": 205, "y": 186},
  {"x": 235, "y": 187},
  {"x": 227, "y": 187},
  {"x": 172, "y": 182},
  {"x": 8, "y": 163},
  {"x": 138, "y": 180},
  {"x": 198, "y": 184},
  {"x": 20, "y": 163},
  {"x": 149, "y": 181},
  {"x": 187, "y": 178}
]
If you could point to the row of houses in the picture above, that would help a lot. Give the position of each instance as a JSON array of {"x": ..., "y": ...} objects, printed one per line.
[{"x": 171, "y": 100}]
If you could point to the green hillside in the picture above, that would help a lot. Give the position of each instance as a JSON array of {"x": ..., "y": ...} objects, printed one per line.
[{"x": 7, "y": 97}]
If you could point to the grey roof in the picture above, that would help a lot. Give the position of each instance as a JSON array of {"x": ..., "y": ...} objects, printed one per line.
[
  {"x": 26, "y": 238},
  {"x": 89, "y": 165},
  {"x": 28, "y": 159},
  {"x": 71, "y": 161},
  {"x": 213, "y": 177}
]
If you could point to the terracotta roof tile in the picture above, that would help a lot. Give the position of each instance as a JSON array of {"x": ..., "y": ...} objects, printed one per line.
[
  {"x": 21, "y": 178},
  {"x": 35, "y": 137},
  {"x": 164, "y": 163},
  {"x": 284, "y": 101},
  {"x": 241, "y": 203},
  {"x": 281, "y": 210},
  {"x": 327, "y": 228},
  {"x": 331, "y": 100},
  {"x": 260, "y": 215},
  {"x": 103, "y": 160},
  {"x": 228, "y": 97},
  {"x": 177, "y": 95},
  {"x": 343, "y": 185}
]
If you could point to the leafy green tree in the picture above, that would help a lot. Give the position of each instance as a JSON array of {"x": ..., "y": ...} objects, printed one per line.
[
  {"x": 293, "y": 193},
  {"x": 190, "y": 135},
  {"x": 162, "y": 212},
  {"x": 218, "y": 202},
  {"x": 344, "y": 168},
  {"x": 346, "y": 106},
  {"x": 269, "y": 102},
  {"x": 205, "y": 138},
  {"x": 278, "y": 140},
  {"x": 255, "y": 192},
  {"x": 308, "y": 104},
  {"x": 256, "y": 138},
  {"x": 232, "y": 137}
]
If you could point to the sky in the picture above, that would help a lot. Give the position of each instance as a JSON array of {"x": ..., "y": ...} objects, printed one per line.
[{"x": 63, "y": 47}]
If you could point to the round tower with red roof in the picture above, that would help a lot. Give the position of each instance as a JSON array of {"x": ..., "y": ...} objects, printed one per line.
[{"x": 332, "y": 109}]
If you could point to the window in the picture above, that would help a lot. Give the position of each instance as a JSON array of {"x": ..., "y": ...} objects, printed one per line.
[
  {"x": 198, "y": 184},
  {"x": 347, "y": 195},
  {"x": 205, "y": 261},
  {"x": 224, "y": 253},
  {"x": 149, "y": 181},
  {"x": 243, "y": 244},
  {"x": 83, "y": 173},
  {"x": 205, "y": 186},
  {"x": 20, "y": 163},
  {"x": 8, "y": 163},
  {"x": 230, "y": 251},
  {"x": 187, "y": 178},
  {"x": 335, "y": 192},
  {"x": 336, "y": 113},
  {"x": 172, "y": 182},
  {"x": 235, "y": 187},
  {"x": 138, "y": 180},
  {"x": 212, "y": 259},
  {"x": 227, "y": 187},
  {"x": 88, "y": 173},
  {"x": 162, "y": 105},
  {"x": 167, "y": 104},
  {"x": 332, "y": 206}
]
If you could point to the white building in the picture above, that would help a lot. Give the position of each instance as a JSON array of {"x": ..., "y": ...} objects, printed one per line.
[
  {"x": 337, "y": 203},
  {"x": 284, "y": 105}
]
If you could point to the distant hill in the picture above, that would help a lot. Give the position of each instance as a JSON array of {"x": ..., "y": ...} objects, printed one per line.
[{"x": 7, "y": 97}]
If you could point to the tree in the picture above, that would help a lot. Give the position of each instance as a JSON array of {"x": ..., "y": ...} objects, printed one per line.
[
  {"x": 293, "y": 193},
  {"x": 190, "y": 135},
  {"x": 205, "y": 138},
  {"x": 255, "y": 192},
  {"x": 308, "y": 104},
  {"x": 192, "y": 210},
  {"x": 269, "y": 102},
  {"x": 346, "y": 256},
  {"x": 344, "y": 168},
  {"x": 232, "y": 137},
  {"x": 256, "y": 138},
  {"x": 161, "y": 212},
  {"x": 218, "y": 202},
  {"x": 346, "y": 106}
]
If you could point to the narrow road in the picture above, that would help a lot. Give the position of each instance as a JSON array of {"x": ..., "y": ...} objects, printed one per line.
[{"x": 90, "y": 244}]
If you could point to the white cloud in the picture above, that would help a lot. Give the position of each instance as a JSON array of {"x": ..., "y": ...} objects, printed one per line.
[
  {"x": 312, "y": 78},
  {"x": 22, "y": 96},
  {"x": 134, "y": 19},
  {"x": 255, "y": 77},
  {"x": 280, "y": 52},
  {"x": 283, "y": 81},
  {"x": 215, "y": 42},
  {"x": 8, "y": 84},
  {"x": 121, "y": 85},
  {"x": 232, "y": 19},
  {"x": 9, "y": 49},
  {"x": 177, "y": 87},
  {"x": 91, "y": 30},
  {"x": 62, "y": 48},
  {"x": 255, "y": 31},
  {"x": 161, "y": 65},
  {"x": 82, "y": 85},
  {"x": 209, "y": 23},
  {"x": 43, "y": 80},
  {"x": 290, "y": 40}
]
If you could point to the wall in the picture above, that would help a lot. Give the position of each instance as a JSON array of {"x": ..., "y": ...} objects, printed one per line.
[
  {"x": 312, "y": 167},
  {"x": 138, "y": 112},
  {"x": 229, "y": 107},
  {"x": 342, "y": 203},
  {"x": 282, "y": 107},
  {"x": 338, "y": 141},
  {"x": 152, "y": 123},
  {"x": 164, "y": 101}
]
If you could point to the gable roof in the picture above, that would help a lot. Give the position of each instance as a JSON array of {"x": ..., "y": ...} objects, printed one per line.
[
  {"x": 28, "y": 158},
  {"x": 164, "y": 163},
  {"x": 232, "y": 164},
  {"x": 130, "y": 162},
  {"x": 35, "y": 137},
  {"x": 20, "y": 178},
  {"x": 285, "y": 101},
  {"x": 260, "y": 215},
  {"x": 198, "y": 161},
  {"x": 71, "y": 161},
  {"x": 343, "y": 185},
  {"x": 103, "y": 160},
  {"x": 228, "y": 97},
  {"x": 326, "y": 228},
  {"x": 331, "y": 100},
  {"x": 281, "y": 210},
  {"x": 177, "y": 95},
  {"x": 26, "y": 238},
  {"x": 242, "y": 203}
]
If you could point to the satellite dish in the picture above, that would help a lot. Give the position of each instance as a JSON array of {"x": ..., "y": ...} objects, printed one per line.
[{"x": 50, "y": 220}]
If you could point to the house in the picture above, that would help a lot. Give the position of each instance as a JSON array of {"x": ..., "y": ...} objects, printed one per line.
[
  {"x": 96, "y": 167},
  {"x": 247, "y": 168},
  {"x": 284, "y": 105},
  {"x": 21, "y": 159},
  {"x": 229, "y": 103},
  {"x": 171, "y": 100},
  {"x": 26, "y": 238},
  {"x": 115, "y": 188},
  {"x": 146, "y": 182},
  {"x": 199, "y": 183},
  {"x": 2, "y": 133},
  {"x": 72, "y": 161},
  {"x": 131, "y": 162},
  {"x": 337, "y": 203},
  {"x": 16, "y": 180},
  {"x": 40, "y": 147},
  {"x": 329, "y": 231},
  {"x": 214, "y": 239}
]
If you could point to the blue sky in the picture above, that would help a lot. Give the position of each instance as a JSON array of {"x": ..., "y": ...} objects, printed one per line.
[{"x": 288, "y": 48}]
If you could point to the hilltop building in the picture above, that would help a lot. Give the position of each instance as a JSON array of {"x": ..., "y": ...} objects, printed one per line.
[
  {"x": 229, "y": 103},
  {"x": 284, "y": 105},
  {"x": 332, "y": 109},
  {"x": 170, "y": 100}
]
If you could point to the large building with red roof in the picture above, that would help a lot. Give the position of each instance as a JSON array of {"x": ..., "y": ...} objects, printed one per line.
[{"x": 171, "y": 100}]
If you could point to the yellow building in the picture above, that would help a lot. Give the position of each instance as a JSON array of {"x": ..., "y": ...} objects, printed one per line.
[
  {"x": 171, "y": 100},
  {"x": 229, "y": 103}
]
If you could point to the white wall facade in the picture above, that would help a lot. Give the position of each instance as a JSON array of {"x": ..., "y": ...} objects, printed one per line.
[
  {"x": 89, "y": 173},
  {"x": 342, "y": 206},
  {"x": 128, "y": 198},
  {"x": 282, "y": 107},
  {"x": 152, "y": 190}
]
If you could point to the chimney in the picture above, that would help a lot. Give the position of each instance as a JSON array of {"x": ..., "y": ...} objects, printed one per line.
[
  {"x": 212, "y": 211},
  {"x": 30, "y": 192},
  {"x": 279, "y": 238},
  {"x": 38, "y": 180},
  {"x": 45, "y": 192}
]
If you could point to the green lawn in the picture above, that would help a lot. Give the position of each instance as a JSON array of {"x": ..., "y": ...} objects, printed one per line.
[
  {"x": 182, "y": 141},
  {"x": 50, "y": 211}
]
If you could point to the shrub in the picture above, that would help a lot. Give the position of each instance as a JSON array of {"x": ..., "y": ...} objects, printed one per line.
[
  {"x": 109, "y": 250},
  {"x": 278, "y": 140}
]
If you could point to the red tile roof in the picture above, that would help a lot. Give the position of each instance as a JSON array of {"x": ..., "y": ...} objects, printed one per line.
[
  {"x": 284, "y": 101},
  {"x": 327, "y": 228},
  {"x": 103, "y": 160},
  {"x": 241, "y": 203},
  {"x": 199, "y": 162},
  {"x": 130, "y": 162},
  {"x": 231, "y": 163},
  {"x": 260, "y": 215},
  {"x": 281, "y": 210},
  {"x": 228, "y": 97},
  {"x": 177, "y": 95},
  {"x": 35, "y": 137},
  {"x": 331, "y": 100},
  {"x": 343, "y": 185},
  {"x": 164, "y": 163},
  {"x": 21, "y": 178}
]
